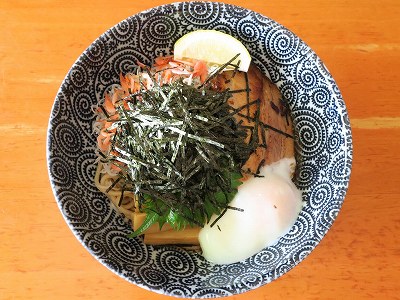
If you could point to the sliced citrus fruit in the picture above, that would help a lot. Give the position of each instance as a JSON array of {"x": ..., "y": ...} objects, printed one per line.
[{"x": 213, "y": 47}]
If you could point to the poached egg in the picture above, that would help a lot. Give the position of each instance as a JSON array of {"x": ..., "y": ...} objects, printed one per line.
[{"x": 269, "y": 207}]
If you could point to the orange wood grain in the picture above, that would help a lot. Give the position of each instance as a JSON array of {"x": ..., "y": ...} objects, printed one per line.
[{"x": 359, "y": 41}]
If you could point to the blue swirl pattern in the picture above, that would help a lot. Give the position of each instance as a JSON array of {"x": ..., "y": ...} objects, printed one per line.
[{"x": 323, "y": 147}]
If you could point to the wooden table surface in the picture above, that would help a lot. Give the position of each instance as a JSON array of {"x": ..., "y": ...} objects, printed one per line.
[{"x": 359, "y": 41}]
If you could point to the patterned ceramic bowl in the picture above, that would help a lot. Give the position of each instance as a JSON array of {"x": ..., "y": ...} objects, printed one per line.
[{"x": 324, "y": 148}]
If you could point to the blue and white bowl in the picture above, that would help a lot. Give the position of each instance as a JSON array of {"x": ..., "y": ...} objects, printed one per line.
[{"x": 323, "y": 145}]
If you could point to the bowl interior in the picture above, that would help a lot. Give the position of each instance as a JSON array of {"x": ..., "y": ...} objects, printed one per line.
[{"x": 323, "y": 146}]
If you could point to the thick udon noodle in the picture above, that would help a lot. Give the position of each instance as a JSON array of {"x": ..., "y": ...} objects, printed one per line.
[{"x": 103, "y": 180}]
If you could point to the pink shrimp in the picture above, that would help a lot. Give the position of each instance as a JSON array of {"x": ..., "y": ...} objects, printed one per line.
[
  {"x": 162, "y": 60},
  {"x": 108, "y": 104},
  {"x": 200, "y": 69},
  {"x": 124, "y": 84}
]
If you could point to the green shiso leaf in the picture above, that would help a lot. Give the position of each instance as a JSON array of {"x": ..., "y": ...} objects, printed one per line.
[{"x": 151, "y": 218}]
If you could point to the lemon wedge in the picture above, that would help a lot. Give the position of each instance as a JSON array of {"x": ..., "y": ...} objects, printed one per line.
[{"x": 213, "y": 47}]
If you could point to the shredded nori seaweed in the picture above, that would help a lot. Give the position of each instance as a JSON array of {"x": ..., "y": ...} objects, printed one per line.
[{"x": 180, "y": 150}]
